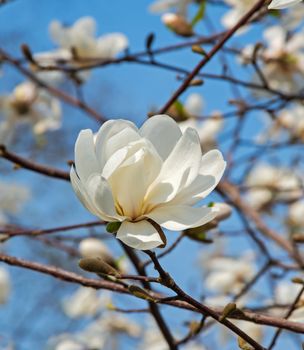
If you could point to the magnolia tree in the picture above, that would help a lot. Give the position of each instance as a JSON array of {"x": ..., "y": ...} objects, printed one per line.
[{"x": 180, "y": 228}]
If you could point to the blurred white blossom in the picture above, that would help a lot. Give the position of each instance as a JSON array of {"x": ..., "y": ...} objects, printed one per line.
[
  {"x": 238, "y": 9},
  {"x": 31, "y": 105},
  {"x": 282, "y": 58},
  {"x": 81, "y": 38},
  {"x": 130, "y": 175},
  {"x": 208, "y": 129},
  {"x": 152, "y": 339},
  {"x": 255, "y": 331},
  {"x": 294, "y": 17},
  {"x": 227, "y": 275},
  {"x": 180, "y": 6},
  {"x": 289, "y": 121},
  {"x": 91, "y": 247},
  {"x": 12, "y": 198},
  {"x": 286, "y": 293},
  {"x": 101, "y": 334},
  {"x": 85, "y": 302},
  {"x": 296, "y": 217},
  {"x": 269, "y": 184}
]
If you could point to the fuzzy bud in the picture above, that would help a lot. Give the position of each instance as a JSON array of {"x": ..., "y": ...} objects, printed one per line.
[{"x": 177, "y": 24}]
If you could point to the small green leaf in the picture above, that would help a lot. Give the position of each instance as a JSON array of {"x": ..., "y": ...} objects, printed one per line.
[
  {"x": 199, "y": 14},
  {"x": 274, "y": 13},
  {"x": 113, "y": 227}
]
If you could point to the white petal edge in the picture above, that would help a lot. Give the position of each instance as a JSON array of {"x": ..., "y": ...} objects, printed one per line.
[
  {"x": 85, "y": 157},
  {"x": 83, "y": 195},
  {"x": 281, "y": 4},
  {"x": 163, "y": 132},
  {"x": 139, "y": 235},
  {"x": 181, "y": 217},
  {"x": 101, "y": 196},
  {"x": 210, "y": 173}
]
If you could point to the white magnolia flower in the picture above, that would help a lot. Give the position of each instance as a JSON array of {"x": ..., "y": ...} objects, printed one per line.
[
  {"x": 132, "y": 176},
  {"x": 5, "y": 285},
  {"x": 12, "y": 198},
  {"x": 296, "y": 216},
  {"x": 28, "y": 104},
  {"x": 180, "y": 6},
  {"x": 282, "y": 58},
  {"x": 207, "y": 130},
  {"x": 84, "y": 302},
  {"x": 81, "y": 38},
  {"x": 268, "y": 184},
  {"x": 281, "y": 4},
  {"x": 226, "y": 275}
]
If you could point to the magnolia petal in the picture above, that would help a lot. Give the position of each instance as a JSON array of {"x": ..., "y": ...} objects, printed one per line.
[
  {"x": 131, "y": 179},
  {"x": 163, "y": 132},
  {"x": 276, "y": 38},
  {"x": 194, "y": 104},
  {"x": 181, "y": 217},
  {"x": 102, "y": 198},
  {"x": 112, "y": 136},
  {"x": 140, "y": 235},
  {"x": 110, "y": 45},
  {"x": 85, "y": 158},
  {"x": 210, "y": 173},
  {"x": 82, "y": 193},
  {"x": 281, "y": 4},
  {"x": 57, "y": 33},
  {"x": 85, "y": 26},
  {"x": 178, "y": 170}
]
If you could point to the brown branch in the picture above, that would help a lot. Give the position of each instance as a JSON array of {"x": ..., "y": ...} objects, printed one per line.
[
  {"x": 168, "y": 281},
  {"x": 62, "y": 274},
  {"x": 210, "y": 54},
  {"x": 229, "y": 189},
  {"x": 152, "y": 306},
  {"x": 288, "y": 314},
  {"x": 5, "y": 57},
  {"x": 38, "y": 232},
  {"x": 71, "y": 277},
  {"x": 30, "y": 165}
]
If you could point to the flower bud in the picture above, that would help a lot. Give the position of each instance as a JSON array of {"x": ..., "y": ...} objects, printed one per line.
[
  {"x": 140, "y": 293},
  {"x": 177, "y": 24},
  {"x": 96, "y": 265},
  {"x": 224, "y": 211},
  {"x": 228, "y": 310}
]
